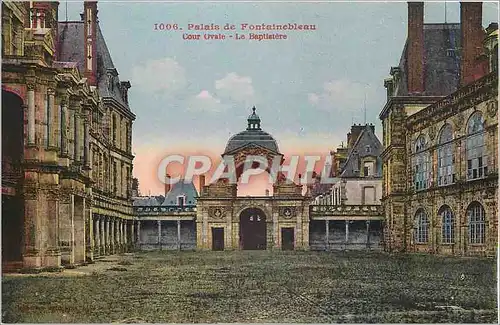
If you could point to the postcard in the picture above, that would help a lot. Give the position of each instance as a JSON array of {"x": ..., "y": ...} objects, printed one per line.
[{"x": 249, "y": 162}]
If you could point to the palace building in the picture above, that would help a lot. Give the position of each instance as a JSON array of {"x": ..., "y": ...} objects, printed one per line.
[
  {"x": 440, "y": 137},
  {"x": 345, "y": 215},
  {"x": 66, "y": 140}
]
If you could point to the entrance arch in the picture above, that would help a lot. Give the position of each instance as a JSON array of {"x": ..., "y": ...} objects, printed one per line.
[
  {"x": 12, "y": 156},
  {"x": 253, "y": 229}
]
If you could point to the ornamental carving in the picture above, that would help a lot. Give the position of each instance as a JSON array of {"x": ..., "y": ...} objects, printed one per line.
[
  {"x": 287, "y": 212},
  {"x": 217, "y": 213},
  {"x": 432, "y": 132},
  {"x": 459, "y": 121},
  {"x": 30, "y": 193},
  {"x": 492, "y": 108}
]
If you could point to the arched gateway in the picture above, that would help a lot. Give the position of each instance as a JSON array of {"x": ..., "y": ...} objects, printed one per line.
[
  {"x": 12, "y": 156},
  {"x": 226, "y": 221},
  {"x": 253, "y": 229}
]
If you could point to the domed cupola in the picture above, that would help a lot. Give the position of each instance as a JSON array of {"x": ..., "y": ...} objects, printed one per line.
[{"x": 252, "y": 135}]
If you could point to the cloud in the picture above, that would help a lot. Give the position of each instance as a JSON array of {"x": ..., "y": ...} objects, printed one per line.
[
  {"x": 161, "y": 75},
  {"x": 235, "y": 87},
  {"x": 205, "y": 101},
  {"x": 341, "y": 96}
]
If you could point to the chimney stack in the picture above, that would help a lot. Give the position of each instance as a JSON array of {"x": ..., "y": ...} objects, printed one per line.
[
  {"x": 167, "y": 184},
  {"x": 90, "y": 30},
  {"x": 472, "y": 38},
  {"x": 415, "y": 47}
]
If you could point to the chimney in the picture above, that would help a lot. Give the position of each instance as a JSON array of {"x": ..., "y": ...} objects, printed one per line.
[
  {"x": 472, "y": 38},
  {"x": 167, "y": 184},
  {"x": 201, "y": 182},
  {"x": 354, "y": 134},
  {"x": 90, "y": 29},
  {"x": 415, "y": 47}
]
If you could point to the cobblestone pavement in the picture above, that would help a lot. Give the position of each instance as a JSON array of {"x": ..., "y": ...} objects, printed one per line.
[{"x": 257, "y": 287}]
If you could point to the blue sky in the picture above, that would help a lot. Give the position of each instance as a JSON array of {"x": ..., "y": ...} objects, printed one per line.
[{"x": 307, "y": 89}]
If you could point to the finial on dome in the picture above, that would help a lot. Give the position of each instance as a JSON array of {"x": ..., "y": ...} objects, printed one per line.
[{"x": 253, "y": 109}]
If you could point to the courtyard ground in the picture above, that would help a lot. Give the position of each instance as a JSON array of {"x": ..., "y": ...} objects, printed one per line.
[{"x": 257, "y": 287}]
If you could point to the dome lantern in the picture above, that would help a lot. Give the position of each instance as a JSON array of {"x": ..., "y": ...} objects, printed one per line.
[{"x": 253, "y": 121}]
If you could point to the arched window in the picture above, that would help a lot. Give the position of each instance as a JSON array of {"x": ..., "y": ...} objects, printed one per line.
[
  {"x": 446, "y": 173},
  {"x": 475, "y": 148},
  {"x": 421, "y": 230},
  {"x": 475, "y": 223},
  {"x": 421, "y": 163},
  {"x": 448, "y": 224}
]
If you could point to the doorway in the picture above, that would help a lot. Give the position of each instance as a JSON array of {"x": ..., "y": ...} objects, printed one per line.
[
  {"x": 287, "y": 239},
  {"x": 217, "y": 239},
  {"x": 253, "y": 229}
]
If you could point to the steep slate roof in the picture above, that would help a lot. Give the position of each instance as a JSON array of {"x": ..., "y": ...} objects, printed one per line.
[
  {"x": 441, "y": 61},
  {"x": 72, "y": 49},
  {"x": 146, "y": 201},
  {"x": 358, "y": 151},
  {"x": 181, "y": 188}
]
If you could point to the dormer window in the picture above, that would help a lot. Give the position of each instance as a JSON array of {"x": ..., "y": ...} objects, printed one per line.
[
  {"x": 368, "y": 149},
  {"x": 181, "y": 199}
]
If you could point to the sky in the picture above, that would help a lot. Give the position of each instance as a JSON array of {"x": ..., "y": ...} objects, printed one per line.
[{"x": 190, "y": 96}]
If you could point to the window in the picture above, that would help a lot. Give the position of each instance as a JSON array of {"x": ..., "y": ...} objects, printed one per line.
[
  {"x": 446, "y": 174},
  {"x": 115, "y": 178},
  {"x": 181, "y": 200},
  {"x": 368, "y": 168},
  {"x": 114, "y": 129},
  {"x": 476, "y": 224},
  {"x": 447, "y": 230},
  {"x": 421, "y": 230},
  {"x": 13, "y": 39},
  {"x": 421, "y": 163},
  {"x": 475, "y": 148},
  {"x": 368, "y": 149}
]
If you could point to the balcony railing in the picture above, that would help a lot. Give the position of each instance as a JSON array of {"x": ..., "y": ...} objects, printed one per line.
[
  {"x": 345, "y": 210},
  {"x": 164, "y": 209}
]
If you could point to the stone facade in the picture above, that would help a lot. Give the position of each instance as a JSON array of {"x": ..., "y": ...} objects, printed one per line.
[
  {"x": 440, "y": 171},
  {"x": 66, "y": 167}
]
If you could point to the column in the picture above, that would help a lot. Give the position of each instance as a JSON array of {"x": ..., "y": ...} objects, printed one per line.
[
  {"x": 64, "y": 126},
  {"x": 97, "y": 236},
  {"x": 50, "y": 118},
  {"x": 132, "y": 234},
  {"x": 125, "y": 235},
  {"x": 76, "y": 137},
  {"x": 108, "y": 236},
  {"x": 327, "y": 234},
  {"x": 31, "y": 114},
  {"x": 179, "y": 234},
  {"x": 368, "y": 234},
  {"x": 118, "y": 235},
  {"x": 111, "y": 235},
  {"x": 139, "y": 234},
  {"x": 67, "y": 228},
  {"x": 346, "y": 232},
  {"x": 71, "y": 131},
  {"x": 103, "y": 235},
  {"x": 86, "y": 138},
  {"x": 89, "y": 231},
  {"x": 159, "y": 233}
]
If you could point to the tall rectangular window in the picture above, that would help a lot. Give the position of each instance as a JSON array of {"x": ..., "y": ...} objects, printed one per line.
[{"x": 47, "y": 120}]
